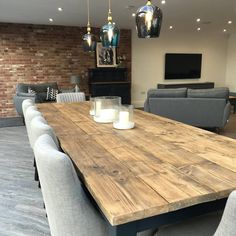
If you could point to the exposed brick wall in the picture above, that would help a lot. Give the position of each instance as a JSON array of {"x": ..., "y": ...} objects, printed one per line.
[{"x": 36, "y": 53}]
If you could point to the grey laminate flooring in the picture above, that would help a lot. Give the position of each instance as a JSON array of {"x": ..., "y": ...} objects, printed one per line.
[{"x": 21, "y": 203}]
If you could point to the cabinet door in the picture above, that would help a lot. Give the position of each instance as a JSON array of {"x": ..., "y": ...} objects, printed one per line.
[{"x": 121, "y": 90}]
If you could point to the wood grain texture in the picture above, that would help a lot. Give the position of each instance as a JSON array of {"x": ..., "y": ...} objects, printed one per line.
[{"x": 159, "y": 166}]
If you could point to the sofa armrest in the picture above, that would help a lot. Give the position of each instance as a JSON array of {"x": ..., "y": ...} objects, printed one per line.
[
  {"x": 226, "y": 114},
  {"x": 18, "y": 102},
  {"x": 25, "y": 95}
]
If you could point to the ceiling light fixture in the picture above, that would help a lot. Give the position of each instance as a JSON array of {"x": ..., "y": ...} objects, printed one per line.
[
  {"x": 198, "y": 29},
  {"x": 224, "y": 30},
  {"x": 89, "y": 40},
  {"x": 148, "y": 21},
  {"x": 133, "y": 14},
  {"x": 230, "y": 22},
  {"x": 171, "y": 27},
  {"x": 110, "y": 33},
  {"x": 198, "y": 20},
  {"x": 60, "y": 9},
  {"x": 163, "y": 2},
  {"x": 50, "y": 19}
]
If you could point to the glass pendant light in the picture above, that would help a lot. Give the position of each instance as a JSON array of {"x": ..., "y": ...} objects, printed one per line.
[
  {"x": 89, "y": 40},
  {"x": 148, "y": 21},
  {"x": 110, "y": 33}
]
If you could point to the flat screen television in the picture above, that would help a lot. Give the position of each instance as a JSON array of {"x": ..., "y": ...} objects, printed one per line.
[{"x": 183, "y": 66}]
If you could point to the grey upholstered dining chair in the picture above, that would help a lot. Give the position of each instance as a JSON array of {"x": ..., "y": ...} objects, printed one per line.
[
  {"x": 69, "y": 211},
  {"x": 207, "y": 225},
  {"x": 38, "y": 127},
  {"x": 30, "y": 113},
  {"x": 25, "y": 104},
  {"x": 70, "y": 97}
]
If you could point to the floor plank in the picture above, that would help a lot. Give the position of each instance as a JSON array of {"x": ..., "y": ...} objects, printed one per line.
[{"x": 21, "y": 203}]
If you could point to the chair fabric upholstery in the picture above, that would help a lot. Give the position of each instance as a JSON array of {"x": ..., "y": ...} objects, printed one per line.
[
  {"x": 27, "y": 103},
  {"x": 30, "y": 113},
  {"x": 227, "y": 226},
  {"x": 38, "y": 127},
  {"x": 70, "y": 97}
]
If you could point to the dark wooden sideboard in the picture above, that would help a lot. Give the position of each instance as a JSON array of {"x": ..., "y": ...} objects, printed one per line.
[
  {"x": 206, "y": 85},
  {"x": 110, "y": 82}
]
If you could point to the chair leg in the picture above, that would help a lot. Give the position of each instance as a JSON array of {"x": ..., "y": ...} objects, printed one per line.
[
  {"x": 36, "y": 175},
  {"x": 39, "y": 185},
  {"x": 34, "y": 162}
]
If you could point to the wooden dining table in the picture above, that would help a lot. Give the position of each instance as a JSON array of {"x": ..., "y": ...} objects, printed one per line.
[{"x": 160, "y": 172}]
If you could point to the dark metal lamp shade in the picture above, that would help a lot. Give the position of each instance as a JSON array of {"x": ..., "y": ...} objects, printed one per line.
[
  {"x": 89, "y": 42},
  {"x": 148, "y": 21},
  {"x": 110, "y": 35}
]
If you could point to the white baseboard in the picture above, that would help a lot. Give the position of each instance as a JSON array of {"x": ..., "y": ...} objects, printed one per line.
[{"x": 138, "y": 104}]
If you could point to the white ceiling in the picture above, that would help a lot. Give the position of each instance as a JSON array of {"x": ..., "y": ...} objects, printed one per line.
[{"x": 182, "y": 14}]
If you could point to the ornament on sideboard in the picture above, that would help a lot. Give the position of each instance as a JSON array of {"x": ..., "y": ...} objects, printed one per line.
[
  {"x": 148, "y": 21},
  {"x": 75, "y": 79},
  {"x": 121, "y": 61}
]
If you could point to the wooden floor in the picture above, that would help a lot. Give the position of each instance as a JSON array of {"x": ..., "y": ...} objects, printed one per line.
[{"x": 21, "y": 203}]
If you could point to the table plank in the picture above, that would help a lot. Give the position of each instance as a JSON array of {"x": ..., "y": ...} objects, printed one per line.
[{"x": 159, "y": 166}]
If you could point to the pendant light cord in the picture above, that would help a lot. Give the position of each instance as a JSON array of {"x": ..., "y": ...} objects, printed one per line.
[
  {"x": 88, "y": 12},
  {"x": 109, "y": 5}
]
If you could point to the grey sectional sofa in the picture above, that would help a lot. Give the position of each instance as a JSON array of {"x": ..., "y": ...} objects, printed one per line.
[
  {"x": 22, "y": 94},
  {"x": 206, "y": 108}
]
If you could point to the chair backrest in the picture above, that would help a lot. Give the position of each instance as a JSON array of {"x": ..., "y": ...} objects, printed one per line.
[
  {"x": 227, "y": 224},
  {"x": 30, "y": 113},
  {"x": 38, "y": 127},
  {"x": 68, "y": 209},
  {"x": 70, "y": 97},
  {"x": 25, "y": 104}
]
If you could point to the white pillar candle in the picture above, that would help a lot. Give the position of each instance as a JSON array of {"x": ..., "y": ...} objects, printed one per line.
[
  {"x": 92, "y": 112},
  {"x": 123, "y": 117},
  {"x": 98, "y": 105},
  {"x": 105, "y": 116}
]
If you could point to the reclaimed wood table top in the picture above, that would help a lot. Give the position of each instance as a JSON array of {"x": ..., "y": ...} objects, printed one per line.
[{"x": 158, "y": 167}]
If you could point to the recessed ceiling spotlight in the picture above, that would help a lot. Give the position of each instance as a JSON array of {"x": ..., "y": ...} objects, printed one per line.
[
  {"x": 163, "y": 2},
  {"x": 198, "y": 29},
  {"x": 224, "y": 30},
  {"x": 230, "y": 22},
  {"x": 50, "y": 19},
  {"x": 198, "y": 20},
  {"x": 133, "y": 14},
  {"x": 171, "y": 27},
  {"x": 60, "y": 9}
]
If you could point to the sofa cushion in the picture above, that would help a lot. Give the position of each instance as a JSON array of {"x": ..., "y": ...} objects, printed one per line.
[
  {"x": 42, "y": 88},
  {"x": 40, "y": 97},
  {"x": 167, "y": 93},
  {"x": 209, "y": 93}
]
